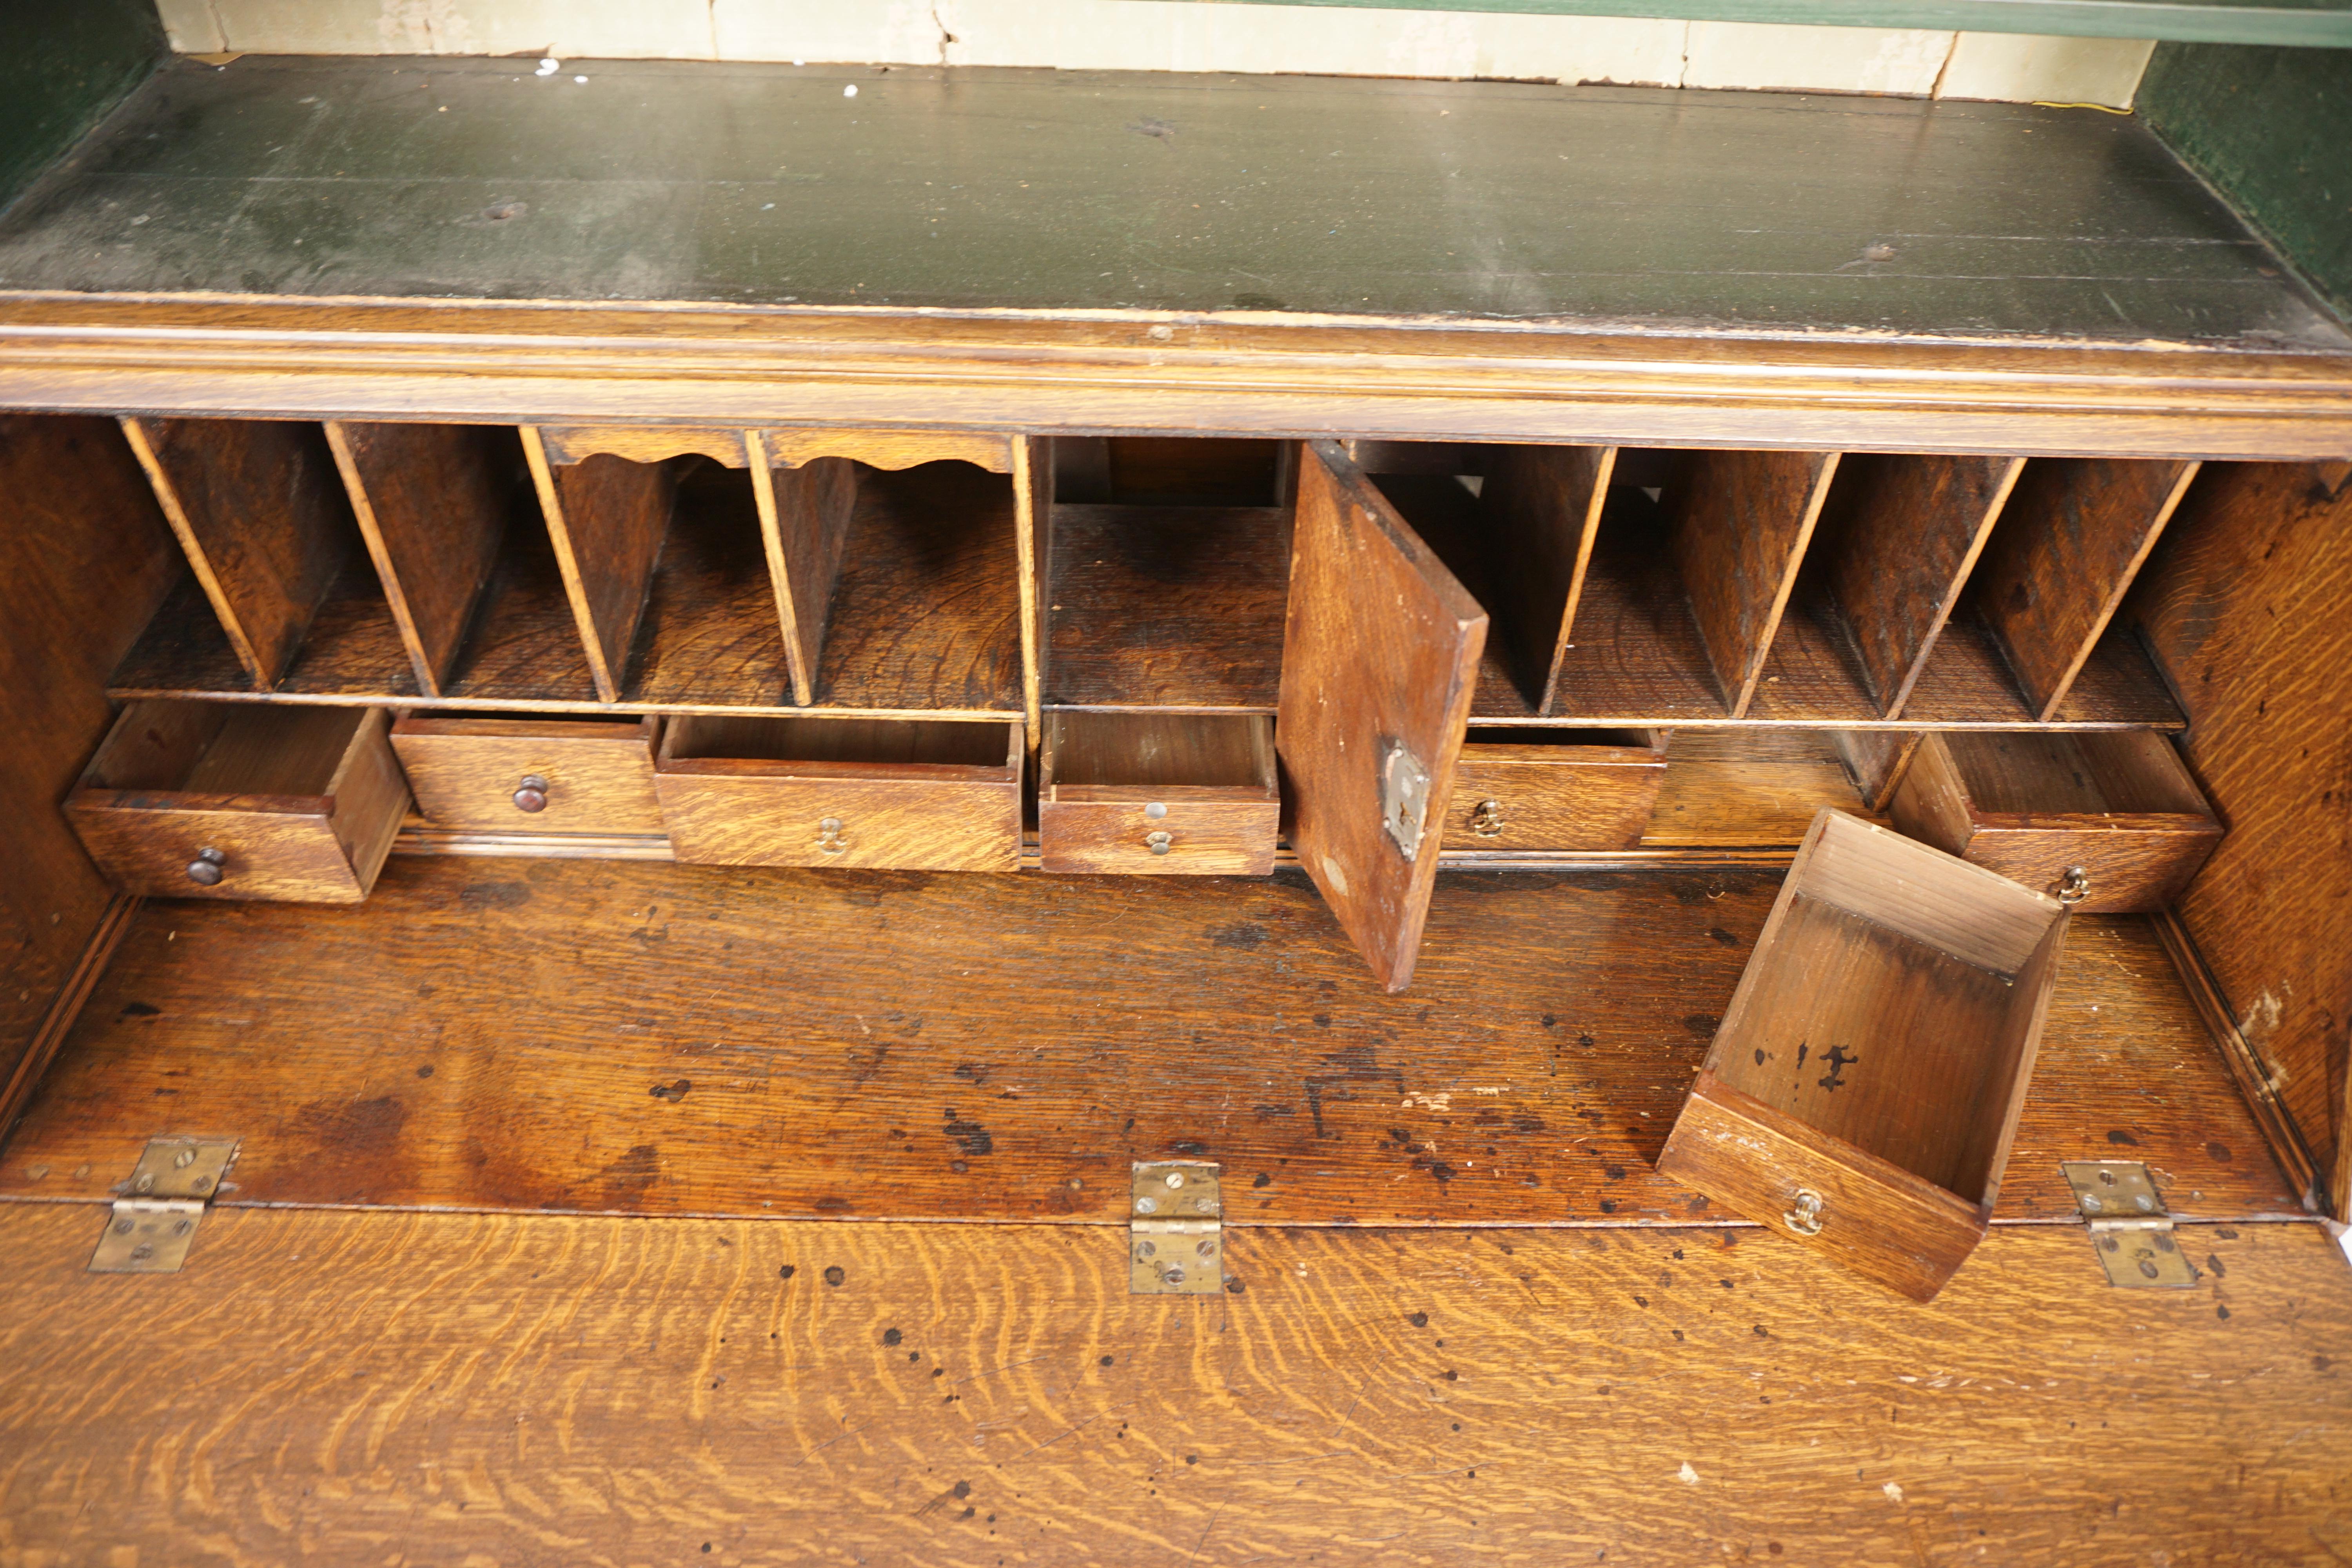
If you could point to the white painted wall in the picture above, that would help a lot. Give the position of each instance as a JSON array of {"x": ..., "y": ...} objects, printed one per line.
[{"x": 1187, "y": 36}]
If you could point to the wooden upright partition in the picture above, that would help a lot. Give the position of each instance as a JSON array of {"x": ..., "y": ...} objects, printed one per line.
[
  {"x": 263, "y": 519},
  {"x": 1741, "y": 522},
  {"x": 1379, "y": 654},
  {"x": 2074, "y": 534},
  {"x": 1898, "y": 540},
  {"x": 1543, "y": 505},
  {"x": 608, "y": 517},
  {"x": 804, "y": 517},
  {"x": 431, "y": 502}
]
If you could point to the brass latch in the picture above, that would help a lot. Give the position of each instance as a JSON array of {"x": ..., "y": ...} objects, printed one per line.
[
  {"x": 154, "y": 1223},
  {"x": 1175, "y": 1230},
  {"x": 2130, "y": 1228}
]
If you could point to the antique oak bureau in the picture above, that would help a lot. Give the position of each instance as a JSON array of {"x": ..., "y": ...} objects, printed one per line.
[{"x": 690, "y": 643}]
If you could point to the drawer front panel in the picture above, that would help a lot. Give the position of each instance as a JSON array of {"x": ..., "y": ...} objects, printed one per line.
[
  {"x": 2129, "y": 870},
  {"x": 920, "y": 825},
  {"x": 591, "y": 784},
  {"x": 1201, "y": 832},
  {"x": 295, "y": 858},
  {"x": 1805, "y": 1187},
  {"x": 1564, "y": 804}
]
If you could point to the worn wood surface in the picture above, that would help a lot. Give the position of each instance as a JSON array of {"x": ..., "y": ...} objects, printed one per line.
[
  {"x": 2072, "y": 537},
  {"x": 610, "y": 1390},
  {"x": 2120, "y": 808},
  {"x": 258, "y": 508},
  {"x": 1554, "y": 789},
  {"x": 85, "y": 558},
  {"x": 1899, "y": 538},
  {"x": 608, "y": 519},
  {"x": 1875, "y": 760},
  {"x": 804, "y": 517},
  {"x": 1167, "y": 606},
  {"x": 1738, "y": 525},
  {"x": 596, "y": 775},
  {"x": 1380, "y": 647},
  {"x": 926, "y": 612},
  {"x": 897, "y": 1045},
  {"x": 432, "y": 503},
  {"x": 2246, "y": 608}
]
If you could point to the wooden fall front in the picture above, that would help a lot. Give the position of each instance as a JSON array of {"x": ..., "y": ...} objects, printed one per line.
[{"x": 516, "y": 720}]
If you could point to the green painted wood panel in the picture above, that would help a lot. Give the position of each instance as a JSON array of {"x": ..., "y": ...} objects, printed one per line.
[
  {"x": 1042, "y": 190},
  {"x": 2272, "y": 128},
  {"x": 64, "y": 64},
  {"x": 2302, "y": 22}
]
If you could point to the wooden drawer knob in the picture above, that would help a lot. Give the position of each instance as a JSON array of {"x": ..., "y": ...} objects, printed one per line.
[
  {"x": 533, "y": 796},
  {"x": 208, "y": 867}
]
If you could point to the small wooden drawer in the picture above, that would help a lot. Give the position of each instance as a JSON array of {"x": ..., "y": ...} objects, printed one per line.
[
  {"x": 1160, "y": 792},
  {"x": 531, "y": 774},
  {"x": 1863, "y": 1087},
  {"x": 916, "y": 794},
  {"x": 227, "y": 800},
  {"x": 2109, "y": 821},
  {"x": 1555, "y": 789}
]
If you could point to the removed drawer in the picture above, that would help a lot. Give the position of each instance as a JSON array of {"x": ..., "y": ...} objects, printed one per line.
[
  {"x": 917, "y": 794},
  {"x": 222, "y": 800},
  {"x": 532, "y": 773},
  {"x": 2107, "y": 821},
  {"x": 1863, "y": 1087},
  {"x": 1539, "y": 788},
  {"x": 1162, "y": 793}
]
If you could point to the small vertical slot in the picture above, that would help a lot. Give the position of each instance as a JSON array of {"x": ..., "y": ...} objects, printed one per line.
[{"x": 608, "y": 517}]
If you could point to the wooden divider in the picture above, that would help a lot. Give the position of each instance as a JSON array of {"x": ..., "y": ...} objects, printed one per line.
[
  {"x": 607, "y": 516},
  {"x": 1033, "y": 509},
  {"x": 1898, "y": 538},
  {"x": 1740, "y": 525},
  {"x": 2075, "y": 532},
  {"x": 804, "y": 517},
  {"x": 1542, "y": 507},
  {"x": 257, "y": 508},
  {"x": 431, "y": 503}
]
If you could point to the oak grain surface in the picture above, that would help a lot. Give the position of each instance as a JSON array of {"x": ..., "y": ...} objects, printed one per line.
[
  {"x": 452, "y": 1388},
  {"x": 489, "y": 1033}
]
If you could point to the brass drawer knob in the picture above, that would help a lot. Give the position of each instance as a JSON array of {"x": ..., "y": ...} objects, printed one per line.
[
  {"x": 208, "y": 867},
  {"x": 1805, "y": 1219},
  {"x": 533, "y": 796},
  {"x": 2074, "y": 887},
  {"x": 1486, "y": 819},
  {"x": 830, "y": 836},
  {"x": 1158, "y": 841}
]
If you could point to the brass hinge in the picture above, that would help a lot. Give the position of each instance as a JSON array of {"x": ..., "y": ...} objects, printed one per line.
[
  {"x": 154, "y": 1223},
  {"x": 2130, "y": 1228},
  {"x": 1175, "y": 1231}
]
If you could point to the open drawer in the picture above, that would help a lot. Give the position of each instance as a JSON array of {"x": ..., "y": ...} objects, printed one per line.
[
  {"x": 2109, "y": 822},
  {"x": 213, "y": 800},
  {"x": 1174, "y": 793},
  {"x": 915, "y": 794},
  {"x": 1862, "y": 1089},
  {"x": 532, "y": 773},
  {"x": 1539, "y": 788}
]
